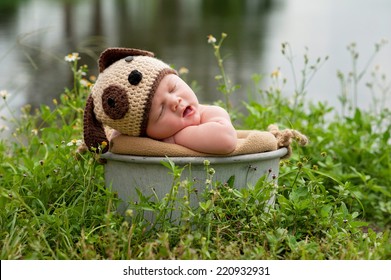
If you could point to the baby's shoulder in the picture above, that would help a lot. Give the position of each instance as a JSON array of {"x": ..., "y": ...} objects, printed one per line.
[{"x": 211, "y": 111}]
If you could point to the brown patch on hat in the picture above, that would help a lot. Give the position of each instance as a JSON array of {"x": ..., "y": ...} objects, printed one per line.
[
  {"x": 115, "y": 102},
  {"x": 111, "y": 55}
]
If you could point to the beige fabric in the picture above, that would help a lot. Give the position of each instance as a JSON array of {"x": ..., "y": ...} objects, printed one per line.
[{"x": 249, "y": 142}]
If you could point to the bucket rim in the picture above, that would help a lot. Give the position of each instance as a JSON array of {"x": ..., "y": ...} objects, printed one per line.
[{"x": 263, "y": 156}]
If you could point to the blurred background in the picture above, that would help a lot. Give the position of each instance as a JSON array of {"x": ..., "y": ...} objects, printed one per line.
[{"x": 35, "y": 35}]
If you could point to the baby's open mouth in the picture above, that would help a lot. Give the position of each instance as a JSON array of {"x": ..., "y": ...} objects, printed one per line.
[{"x": 188, "y": 110}]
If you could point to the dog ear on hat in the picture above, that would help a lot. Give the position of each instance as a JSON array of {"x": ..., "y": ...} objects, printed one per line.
[
  {"x": 111, "y": 55},
  {"x": 94, "y": 134}
]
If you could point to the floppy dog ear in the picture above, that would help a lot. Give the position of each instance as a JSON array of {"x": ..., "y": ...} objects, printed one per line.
[
  {"x": 111, "y": 55},
  {"x": 94, "y": 134}
]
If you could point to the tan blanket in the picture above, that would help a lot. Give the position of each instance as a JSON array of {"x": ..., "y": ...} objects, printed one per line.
[{"x": 249, "y": 142}]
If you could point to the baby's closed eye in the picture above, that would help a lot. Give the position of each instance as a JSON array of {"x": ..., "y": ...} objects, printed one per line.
[
  {"x": 172, "y": 88},
  {"x": 161, "y": 111}
]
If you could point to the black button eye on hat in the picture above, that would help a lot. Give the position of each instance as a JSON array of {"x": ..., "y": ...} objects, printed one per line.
[{"x": 135, "y": 77}]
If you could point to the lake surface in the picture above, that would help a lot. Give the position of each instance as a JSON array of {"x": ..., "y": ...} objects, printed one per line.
[{"x": 35, "y": 35}]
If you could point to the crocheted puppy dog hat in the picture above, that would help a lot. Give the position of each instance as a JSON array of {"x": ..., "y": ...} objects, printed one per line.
[{"x": 122, "y": 95}]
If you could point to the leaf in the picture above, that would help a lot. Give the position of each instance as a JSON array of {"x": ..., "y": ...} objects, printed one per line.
[
  {"x": 358, "y": 117},
  {"x": 237, "y": 193},
  {"x": 344, "y": 209},
  {"x": 328, "y": 176},
  {"x": 325, "y": 210},
  {"x": 357, "y": 224},
  {"x": 205, "y": 205},
  {"x": 386, "y": 136},
  {"x": 168, "y": 163},
  {"x": 284, "y": 203},
  {"x": 231, "y": 181}
]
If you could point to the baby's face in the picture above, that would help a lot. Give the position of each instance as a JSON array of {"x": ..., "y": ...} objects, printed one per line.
[{"x": 174, "y": 107}]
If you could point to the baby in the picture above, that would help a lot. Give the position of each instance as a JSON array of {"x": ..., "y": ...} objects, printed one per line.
[
  {"x": 138, "y": 95},
  {"x": 177, "y": 117}
]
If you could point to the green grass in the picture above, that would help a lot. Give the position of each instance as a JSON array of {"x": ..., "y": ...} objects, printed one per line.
[{"x": 333, "y": 199}]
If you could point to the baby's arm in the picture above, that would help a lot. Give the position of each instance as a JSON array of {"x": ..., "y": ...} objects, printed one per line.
[{"x": 215, "y": 134}]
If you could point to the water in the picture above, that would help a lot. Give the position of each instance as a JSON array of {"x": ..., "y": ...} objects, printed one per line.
[{"x": 35, "y": 35}]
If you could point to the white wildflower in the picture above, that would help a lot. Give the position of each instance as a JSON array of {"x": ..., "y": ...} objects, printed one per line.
[
  {"x": 4, "y": 94},
  {"x": 183, "y": 71},
  {"x": 3, "y": 128},
  {"x": 72, "y": 57},
  {"x": 211, "y": 39},
  {"x": 75, "y": 142},
  {"x": 276, "y": 73},
  {"x": 85, "y": 83},
  {"x": 129, "y": 213}
]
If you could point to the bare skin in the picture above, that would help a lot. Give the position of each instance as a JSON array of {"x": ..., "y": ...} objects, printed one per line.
[{"x": 177, "y": 117}]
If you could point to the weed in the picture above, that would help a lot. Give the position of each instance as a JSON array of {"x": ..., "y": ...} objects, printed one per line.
[{"x": 224, "y": 83}]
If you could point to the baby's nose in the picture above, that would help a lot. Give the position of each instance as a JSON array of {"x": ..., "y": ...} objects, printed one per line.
[{"x": 175, "y": 103}]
